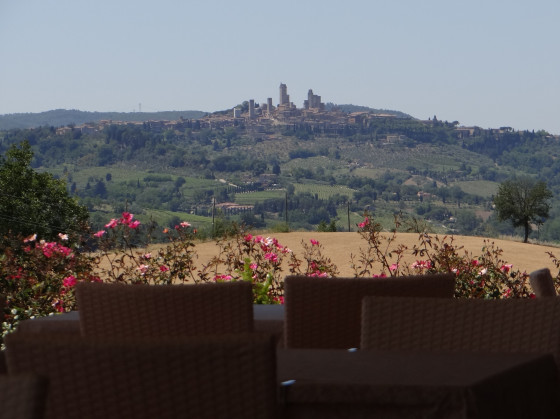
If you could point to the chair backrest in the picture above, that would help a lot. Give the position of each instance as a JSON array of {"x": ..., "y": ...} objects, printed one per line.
[
  {"x": 326, "y": 312},
  {"x": 461, "y": 325},
  {"x": 542, "y": 283},
  {"x": 22, "y": 396},
  {"x": 164, "y": 310},
  {"x": 231, "y": 376}
]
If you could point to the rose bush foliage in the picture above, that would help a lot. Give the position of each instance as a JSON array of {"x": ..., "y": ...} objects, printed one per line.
[{"x": 37, "y": 277}]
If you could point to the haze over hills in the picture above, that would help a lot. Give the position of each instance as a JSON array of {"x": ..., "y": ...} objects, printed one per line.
[{"x": 64, "y": 117}]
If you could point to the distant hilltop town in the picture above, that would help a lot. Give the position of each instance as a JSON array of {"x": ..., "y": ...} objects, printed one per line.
[
  {"x": 286, "y": 112},
  {"x": 255, "y": 116},
  {"x": 261, "y": 118}
]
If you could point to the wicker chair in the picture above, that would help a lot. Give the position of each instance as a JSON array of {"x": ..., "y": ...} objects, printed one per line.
[
  {"x": 461, "y": 325},
  {"x": 231, "y": 376},
  {"x": 326, "y": 312},
  {"x": 164, "y": 310},
  {"x": 542, "y": 283},
  {"x": 22, "y": 396}
]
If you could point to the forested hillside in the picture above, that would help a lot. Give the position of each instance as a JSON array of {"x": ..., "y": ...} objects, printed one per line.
[{"x": 297, "y": 176}]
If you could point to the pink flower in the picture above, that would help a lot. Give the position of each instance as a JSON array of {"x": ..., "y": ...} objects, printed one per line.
[
  {"x": 475, "y": 262},
  {"x": 58, "y": 306},
  {"x": 163, "y": 268},
  {"x": 506, "y": 268},
  {"x": 393, "y": 267},
  {"x": 273, "y": 257},
  {"x": 253, "y": 266},
  {"x": 185, "y": 224},
  {"x": 143, "y": 268},
  {"x": 100, "y": 233},
  {"x": 126, "y": 218},
  {"x": 314, "y": 242},
  {"x": 364, "y": 223},
  {"x": 279, "y": 300},
  {"x": 248, "y": 238},
  {"x": 147, "y": 256},
  {"x": 69, "y": 281},
  {"x": 63, "y": 236},
  {"x": 31, "y": 238},
  {"x": 112, "y": 223},
  {"x": 134, "y": 224},
  {"x": 382, "y": 275}
]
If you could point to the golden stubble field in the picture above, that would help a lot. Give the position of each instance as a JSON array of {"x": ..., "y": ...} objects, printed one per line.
[{"x": 340, "y": 246}]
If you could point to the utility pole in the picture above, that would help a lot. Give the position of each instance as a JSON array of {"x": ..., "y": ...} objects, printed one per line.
[
  {"x": 213, "y": 213},
  {"x": 348, "y": 212},
  {"x": 286, "y": 209}
]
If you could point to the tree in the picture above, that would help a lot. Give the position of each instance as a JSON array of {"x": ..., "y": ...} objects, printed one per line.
[
  {"x": 32, "y": 202},
  {"x": 523, "y": 201}
]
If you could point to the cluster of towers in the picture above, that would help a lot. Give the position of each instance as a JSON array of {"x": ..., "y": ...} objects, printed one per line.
[{"x": 313, "y": 102}]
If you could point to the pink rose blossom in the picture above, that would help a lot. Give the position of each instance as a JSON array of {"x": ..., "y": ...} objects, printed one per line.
[
  {"x": 314, "y": 242},
  {"x": 69, "y": 281},
  {"x": 134, "y": 224},
  {"x": 143, "y": 268},
  {"x": 506, "y": 268},
  {"x": 126, "y": 218},
  {"x": 112, "y": 223},
  {"x": 364, "y": 223},
  {"x": 100, "y": 233},
  {"x": 31, "y": 238},
  {"x": 279, "y": 300},
  {"x": 163, "y": 268},
  {"x": 273, "y": 257}
]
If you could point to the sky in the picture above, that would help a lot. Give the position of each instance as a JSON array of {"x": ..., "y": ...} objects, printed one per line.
[{"x": 489, "y": 63}]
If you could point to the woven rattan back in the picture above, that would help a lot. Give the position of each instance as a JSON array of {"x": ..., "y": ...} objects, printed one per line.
[
  {"x": 542, "y": 283},
  {"x": 226, "y": 376},
  {"x": 22, "y": 396},
  {"x": 458, "y": 325},
  {"x": 164, "y": 310},
  {"x": 326, "y": 312}
]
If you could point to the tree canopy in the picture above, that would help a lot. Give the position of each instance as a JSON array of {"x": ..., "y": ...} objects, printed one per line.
[
  {"x": 32, "y": 202},
  {"x": 523, "y": 201}
]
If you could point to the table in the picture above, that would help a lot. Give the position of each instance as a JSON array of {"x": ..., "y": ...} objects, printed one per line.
[{"x": 361, "y": 384}]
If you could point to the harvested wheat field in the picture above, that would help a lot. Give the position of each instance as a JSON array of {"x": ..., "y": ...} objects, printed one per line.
[{"x": 340, "y": 246}]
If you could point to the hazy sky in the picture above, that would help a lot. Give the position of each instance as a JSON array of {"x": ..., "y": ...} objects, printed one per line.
[{"x": 489, "y": 63}]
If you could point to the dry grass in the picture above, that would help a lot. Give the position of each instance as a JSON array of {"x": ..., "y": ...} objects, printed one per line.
[{"x": 340, "y": 246}]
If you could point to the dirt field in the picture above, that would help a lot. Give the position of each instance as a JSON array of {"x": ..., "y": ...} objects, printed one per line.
[{"x": 339, "y": 246}]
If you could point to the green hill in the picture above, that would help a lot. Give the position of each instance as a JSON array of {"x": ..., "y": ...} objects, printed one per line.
[
  {"x": 63, "y": 117},
  {"x": 306, "y": 172}
]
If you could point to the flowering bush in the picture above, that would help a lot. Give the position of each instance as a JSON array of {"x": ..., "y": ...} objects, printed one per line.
[
  {"x": 484, "y": 276},
  {"x": 262, "y": 260},
  {"x": 38, "y": 277},
  {"x": 173, "y": 263}
]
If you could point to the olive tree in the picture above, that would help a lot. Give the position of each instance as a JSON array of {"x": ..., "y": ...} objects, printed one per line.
[
  {"x": 32, "y": 202},
  {"x": 523, "y": 201}
]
